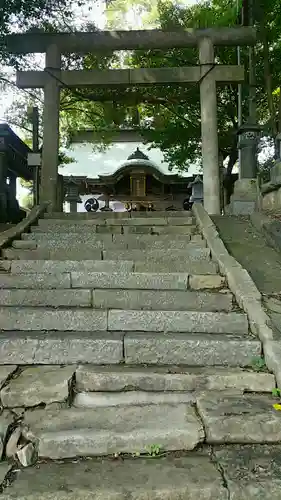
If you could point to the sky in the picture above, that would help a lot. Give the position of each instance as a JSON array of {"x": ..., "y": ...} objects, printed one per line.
[{"x": 87, "y": 162}]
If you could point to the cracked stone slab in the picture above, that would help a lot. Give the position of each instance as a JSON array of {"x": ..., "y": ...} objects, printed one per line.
[
  {"x": 193, "y": 477},
  {"x": 178, "y": 321},
  {"x": 252, "y": 472},
  {"x": 4, "y": 469},
  {"x": 5, "y": 372},
  {"x": 40, "y": 384},
  {"x": 6, "y": 419},
  {"x": 239, "y": 419},
  {"x": 93, "y": 378},
  {"x": 75, "y": 432}
]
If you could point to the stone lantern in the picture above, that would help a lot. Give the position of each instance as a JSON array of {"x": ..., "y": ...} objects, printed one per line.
[{"x": 72, "y": 194}]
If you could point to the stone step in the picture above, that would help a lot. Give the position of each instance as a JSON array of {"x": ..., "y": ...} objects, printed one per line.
[
  {"x": 130, "y": 281},
  {"x": 191, "y": 350},
  {"x": 109, "y": 241},
  {"x": 110, "y": 379},
  {"x": 116, "y": 215},
  {"x": 178, "y": 321},
  {"x": 117, "y": 299},
  {"x": 85, "y": 252},
  {"x": 171, "y": 265},
  {"x": 35, "y": 281},
  {"x": 69, "y": 319},
  {"x": 123, "y": 260},
  {"x": 84, "y": 225},
  {"x": 99, "y": 280},
  {"x": 116, "y": 229},
  {"x": 42, "y": 319},
  {"x": 193, "y": 251},
  {"x": 60, "y": 254},
  {"x": 28, "y": 347},
  {"x": 161, "y": 299},
  {"x": 131, "y": 398},
  {"x": 66, "y": 266},
  {"x": 168, "y": 478},
  {"x": 120, "y": 385},
  {"x": 243, "y": 419},
  {"x": 72, "y": 432},
  {"x": 60, "y": 348}
]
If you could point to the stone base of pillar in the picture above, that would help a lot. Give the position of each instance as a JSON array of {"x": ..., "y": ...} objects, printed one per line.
[{"x": 244, "y": 198}]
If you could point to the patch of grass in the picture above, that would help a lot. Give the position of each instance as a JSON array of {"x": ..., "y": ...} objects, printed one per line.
[
  {"x": 276, "y": 392},
  {"x": 258, "y": 364}
]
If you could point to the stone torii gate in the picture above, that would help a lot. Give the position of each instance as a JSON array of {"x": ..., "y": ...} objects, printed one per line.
[{"x": 207, "y": 74}]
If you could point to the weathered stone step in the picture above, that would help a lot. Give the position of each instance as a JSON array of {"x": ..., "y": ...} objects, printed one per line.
[
  {"x": 28, "y": 347},
  {"x": 171, "y": 265},
  {"x": 119, "y": 385},
  {"x": 100, "y": 280},
  {"x": 60, "y": 347},
  {"x": 108, "y": 241},
  {"x": 178, "y": 321},
  {"x": 166, "y": 479},
  {"x": 191, "y": 350},
  {"x": 114, "y": 228},
  {"x": 35, "y": 281},
  {"x": 84, "y": 225},
  {"x": 162, "y": 299},
  {"x": 61, "y": 254},
  {"x": 110, "y": 379},
  {"x": 116, "y": 215},
  {"x": 239, "y": 419},
  {"x": 38, "y": 318},
  {"x": 132, "y": 398},
  {"x": 66, "y": 266},
  {"x": 137, "y": 281},
  {"x": 193, "y": 251},
  {"x": 118, "y": 299},
  {"x": 46, "y": 298},
  {"x": 75, "y": 432}
]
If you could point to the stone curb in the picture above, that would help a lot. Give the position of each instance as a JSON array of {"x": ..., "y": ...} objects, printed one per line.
[
  {"x": 14, "y": 232},
  {"x": 242, "y": 286},
  {"x": 263, "y": 223}
]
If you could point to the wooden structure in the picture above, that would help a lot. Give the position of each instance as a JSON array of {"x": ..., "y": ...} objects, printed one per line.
[{"x": 13, "y": 164}]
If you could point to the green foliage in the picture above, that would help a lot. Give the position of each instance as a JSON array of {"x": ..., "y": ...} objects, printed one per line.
[
  {"x": 258, "y": 364},
  {"x": 276, "y": 392},
  {"x": 170, "y": 115}
]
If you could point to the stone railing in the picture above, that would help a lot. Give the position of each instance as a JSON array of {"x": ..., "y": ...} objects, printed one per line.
[{"x": 14, "y": 232}]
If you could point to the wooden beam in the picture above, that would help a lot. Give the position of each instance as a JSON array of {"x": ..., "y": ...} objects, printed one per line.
[
  {"x": 127, "y": 77},
  {"x": 80, "y": 42}
]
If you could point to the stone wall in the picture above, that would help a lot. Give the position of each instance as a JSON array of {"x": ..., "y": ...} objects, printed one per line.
[{"x": 271, "y": 191}]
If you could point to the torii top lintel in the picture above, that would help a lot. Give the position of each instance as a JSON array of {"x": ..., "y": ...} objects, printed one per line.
[{"x": 80, "y": 42}]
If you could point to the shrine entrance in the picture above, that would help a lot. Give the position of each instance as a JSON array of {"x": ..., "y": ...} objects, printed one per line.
[{"x": 207, "y": 74}]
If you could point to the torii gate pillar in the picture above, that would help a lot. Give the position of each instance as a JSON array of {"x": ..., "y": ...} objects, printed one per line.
[
  {"x": 50, "y": 154},
  {"x": 209, "y": 128}
]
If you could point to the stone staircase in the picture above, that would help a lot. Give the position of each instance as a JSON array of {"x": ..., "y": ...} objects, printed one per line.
[{"x": 119, "y": 337}]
